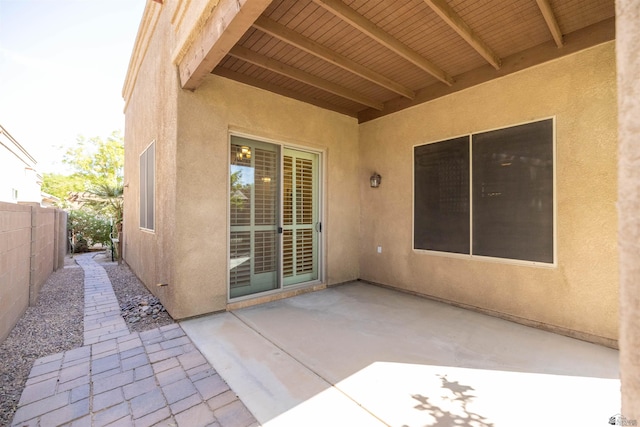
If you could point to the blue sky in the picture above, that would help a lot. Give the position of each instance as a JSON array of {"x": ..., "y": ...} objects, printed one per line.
[{"x": 62, "y": 69}]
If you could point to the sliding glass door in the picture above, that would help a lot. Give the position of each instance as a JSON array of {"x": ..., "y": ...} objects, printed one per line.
[
  {"x": 274, "y": 217},
  {"x": 300, "y": 217}
]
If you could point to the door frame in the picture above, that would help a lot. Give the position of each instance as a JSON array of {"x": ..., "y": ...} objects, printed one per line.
[{"x": 321, "y": 152}]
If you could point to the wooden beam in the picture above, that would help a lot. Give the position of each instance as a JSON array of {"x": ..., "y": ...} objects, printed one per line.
[
  {"x": 252, "y": 81},
  {"x": 444, "y": 11},
  {"x": 287, "y": 35},
  {"x": 551, "y": 20},
  {"x": 593, "y": 35},
  {"x": 222, "y": 30},
  {"x": 302, "y": 76},
  {"x": 350, "y": 16}
]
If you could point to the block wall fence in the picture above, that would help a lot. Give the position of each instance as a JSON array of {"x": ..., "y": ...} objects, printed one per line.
[{"x": 33, "y": 244}]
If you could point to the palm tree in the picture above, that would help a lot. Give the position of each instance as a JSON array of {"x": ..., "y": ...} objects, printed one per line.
[{"x": 108, "y": 200}]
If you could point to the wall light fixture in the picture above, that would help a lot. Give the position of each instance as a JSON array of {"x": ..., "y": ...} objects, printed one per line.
[{"x": 375, "y": 180}]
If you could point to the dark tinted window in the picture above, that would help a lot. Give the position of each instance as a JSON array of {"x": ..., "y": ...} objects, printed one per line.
[
  {"x": 508, "y": 205},
  {"x": 441, "y": 208}
]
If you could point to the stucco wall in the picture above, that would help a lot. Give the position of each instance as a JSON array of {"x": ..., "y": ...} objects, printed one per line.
[
  {"x": 205, "y": 118},
  {"x": 627, "y": 46},
  {"x": 151, "y": 115},
  {"x": 17, "y": 172},
  {"x": 189, "y": 248},
  {"x": 580, "y": 296}
]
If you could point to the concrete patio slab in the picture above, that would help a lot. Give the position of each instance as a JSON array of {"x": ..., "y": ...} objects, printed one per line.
[
  {"x": 280, "y": 388},
  {"x": 363, "y": 355}
]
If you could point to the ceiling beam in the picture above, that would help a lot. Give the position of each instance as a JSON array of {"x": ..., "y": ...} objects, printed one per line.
[
  {"x": 350, "y": 16},
  {"x": 551, "y": 20},
  {"x": 289, "y": 36},
  {"x": 593, "y": 35},
  {"x": 274, "y": 88},
  {"x": 225, "y": 26},
  {"x": 254, "y": 58},
  {"x": 444, "y": 11}
]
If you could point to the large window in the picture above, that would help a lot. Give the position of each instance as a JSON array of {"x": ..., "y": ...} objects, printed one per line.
[
  {"x": 487, "y": 194},
  {"x": 147, "y": 187}
]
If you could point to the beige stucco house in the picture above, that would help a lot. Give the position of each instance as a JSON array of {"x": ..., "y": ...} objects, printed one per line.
[
  {"x": 20, "y": 181},
  {"x": 254, "y": 129}
]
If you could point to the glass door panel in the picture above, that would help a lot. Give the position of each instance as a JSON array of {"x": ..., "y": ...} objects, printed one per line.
[
  {"x": 274, "y": 217},
  {"x": 300, "y": 217},
  {"x": 254, "y": 217}
]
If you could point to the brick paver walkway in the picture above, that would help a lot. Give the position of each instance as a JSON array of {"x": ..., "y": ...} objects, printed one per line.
[{"x": 118, "y": 378}]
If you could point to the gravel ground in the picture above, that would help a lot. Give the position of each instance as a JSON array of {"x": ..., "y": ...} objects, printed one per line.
[
  {"x": 133, "y": 295},
  {"x": 55, "y": 324},
  {"x": 52, "y": 326}
]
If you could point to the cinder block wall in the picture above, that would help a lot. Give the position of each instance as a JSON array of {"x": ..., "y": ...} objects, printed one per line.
[
  {"x": 15, "y": 265},
  {"x": 32, "y": 246},
  {"x": 61, "y": 239},
  {"x": 43, "y": 226}
]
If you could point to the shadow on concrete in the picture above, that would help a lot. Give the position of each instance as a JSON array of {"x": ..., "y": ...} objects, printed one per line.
[{"x": 459, "y": 415}]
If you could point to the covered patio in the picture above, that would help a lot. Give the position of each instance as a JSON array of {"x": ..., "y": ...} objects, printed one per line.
[
  {"x": 366, "y": 89},
  {"x": 362, "y": 355}
]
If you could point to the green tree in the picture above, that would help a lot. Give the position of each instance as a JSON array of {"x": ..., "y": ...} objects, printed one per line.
[
  {"x": 237, "y": 197},
  {"x": 62, "y": 186},
  {"x": 96, "y": 164},
  {"x": 97, "y": 161},
  {"x": 93, "y": 192},
  {"x": 107, "y": 200}
]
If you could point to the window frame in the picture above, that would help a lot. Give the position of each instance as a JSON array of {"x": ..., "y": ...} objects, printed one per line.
[
  {"x": 147, "y": 199},
  {"x": 471, "y": 255}
]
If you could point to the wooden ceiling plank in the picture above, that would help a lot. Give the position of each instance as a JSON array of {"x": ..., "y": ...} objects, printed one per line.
[
  {"x": 293, "y": 73},
  {"x": 508, "y": 27},
  {"x": 251, "y": 81},
  {"x": 283, "y": 33},
  {"x": 576, "y": 41},
  {"x": 294, "y": 13},
  {"x": 226, "y": 25},
  {"x": 444, "y": 11},
  {"x": 552, "y": 22},
  {"x": 316, "y": 24},
  {"x": 344, "y": 12},
  {"x": 400, "y": 21}
]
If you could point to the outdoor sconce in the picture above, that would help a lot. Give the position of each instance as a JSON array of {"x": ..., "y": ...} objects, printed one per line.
[{"x": 375, "y": 180}]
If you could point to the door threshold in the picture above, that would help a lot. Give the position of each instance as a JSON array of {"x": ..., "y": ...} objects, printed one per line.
[{"x": 286, "y": 293}]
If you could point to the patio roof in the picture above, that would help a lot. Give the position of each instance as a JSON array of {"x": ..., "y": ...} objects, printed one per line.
[{"x": 368, "y": 58}]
